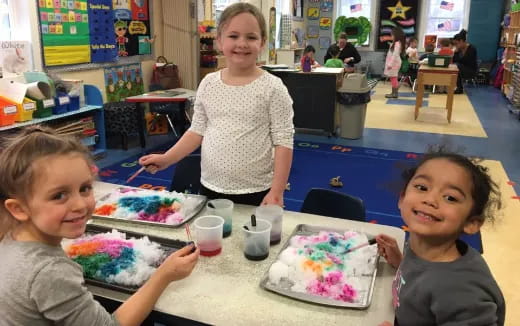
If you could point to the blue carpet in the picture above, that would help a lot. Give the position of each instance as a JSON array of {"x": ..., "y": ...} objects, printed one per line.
[
  {"x": 371, "y": 174},
  {"x": 398, "y": 101},
  {"x": 411, "y": 94}
]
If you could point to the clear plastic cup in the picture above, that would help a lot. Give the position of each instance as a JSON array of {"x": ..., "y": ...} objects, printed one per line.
[
  {"x": 256, "y": 239},
  {"x": 273, "y": 214},
  {"x": 224, "y": 209},
  {"x": 208, "y": 234}
]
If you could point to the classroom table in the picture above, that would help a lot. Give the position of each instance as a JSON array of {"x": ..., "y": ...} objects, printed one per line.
[
  {"x": 224, "y": 290},
  {"x": 176, "y": 95},
  {"x": 438, "y": 76}
]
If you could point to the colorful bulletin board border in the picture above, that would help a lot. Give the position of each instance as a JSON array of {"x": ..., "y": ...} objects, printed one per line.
[
  {"x": 123, "y": 81},
  {"x": 392, "y": 13}
]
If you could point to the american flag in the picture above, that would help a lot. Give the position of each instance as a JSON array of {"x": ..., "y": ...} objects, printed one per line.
[
  {"x": 355, "y": 8},
  {"x": 447, "y": 5},
  {"x": 449, "y": 26}
]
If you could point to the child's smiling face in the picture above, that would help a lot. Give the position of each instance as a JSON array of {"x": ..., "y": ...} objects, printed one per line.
[
  {"x": 241, "y": 41},
  {"x": 437, "y": 201},
  {"x": 62, "y": 199}
]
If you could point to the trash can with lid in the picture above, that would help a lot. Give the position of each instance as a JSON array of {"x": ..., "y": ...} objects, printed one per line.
[{"x": 352, "y": 98}]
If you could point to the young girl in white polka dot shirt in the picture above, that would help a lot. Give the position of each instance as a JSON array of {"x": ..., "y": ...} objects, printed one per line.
[{"x": 243, "y": 120}]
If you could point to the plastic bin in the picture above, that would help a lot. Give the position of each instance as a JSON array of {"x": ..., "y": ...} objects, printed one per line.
[
  {"x": 25, "y": 110},
  {"x": 43, "y": 108},
  {"x": 435, "y": 60},
  {"x": 352, "y": 99},
  {"x": 8, "y": 110},
  {"x": 74, "y": 103},
  {"x": 61, "y": 102}
]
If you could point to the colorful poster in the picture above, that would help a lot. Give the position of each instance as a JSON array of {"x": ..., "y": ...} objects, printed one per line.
[
  {"x": 123, "y": 81},
  {"x": 139, "y": 9},
  {"x": 313, "y": 13},
  {"x": 326, "y": 5},
  {"x": 400, "y": 13},
  {"x": 313, "y": 31},
  {"x": 65, "y": 41},
  {"x": 122, "y": 9},
  {"x": 325, "y": 22},
  {"x": 430, "y": 39},
  {"x": 132, "y": 36},
  {"x": 102, "y": 44},
  {"x": 15, "y": 57}
]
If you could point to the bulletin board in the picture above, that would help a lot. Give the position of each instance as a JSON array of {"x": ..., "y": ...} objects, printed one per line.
[
  {"x": 93, "y": 31},
  {"x": 392, "y": 13}
]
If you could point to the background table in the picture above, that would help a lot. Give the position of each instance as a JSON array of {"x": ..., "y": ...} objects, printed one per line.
[
  {"x": 224, "y": 290},
  {"x": 436, "y": 76},
  {"x": 158, "y": 97}
]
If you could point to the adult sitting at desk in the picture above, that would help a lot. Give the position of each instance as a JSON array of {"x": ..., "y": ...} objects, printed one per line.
[
  {"x": 347, "y": 52},
  {"x": 465, "y": 58}
]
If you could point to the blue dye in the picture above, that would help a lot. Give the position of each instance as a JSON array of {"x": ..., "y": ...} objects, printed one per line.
[{"x": 124, "y": 261}]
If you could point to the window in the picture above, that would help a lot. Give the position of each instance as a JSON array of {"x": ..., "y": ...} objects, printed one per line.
[
  {"x": 5, "y": 24},
  {"x": 446, "y": 17},
  {"x": 356, "y": 8}
]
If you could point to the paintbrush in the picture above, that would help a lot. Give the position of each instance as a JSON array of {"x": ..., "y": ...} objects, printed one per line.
[
  {"x": 369, "y": 243},
  {"x": 133, "y": 176},
  {"x": 188, "y": 233}
]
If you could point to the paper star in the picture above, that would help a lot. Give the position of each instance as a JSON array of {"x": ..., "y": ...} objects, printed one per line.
[{"x": 399, "y": 10}]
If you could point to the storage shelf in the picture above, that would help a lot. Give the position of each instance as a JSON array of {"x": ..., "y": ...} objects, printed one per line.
[
  {"x": 208, "y": 35},
  {"x": 94, "y": 102},
  {"x": 52, "y": 117}
]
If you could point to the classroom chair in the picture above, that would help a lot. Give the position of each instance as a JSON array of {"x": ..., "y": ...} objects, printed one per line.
[
  {"x": 172, "y": 111},
  {"x": 186, "y": 178},
  {"x": 334, "y": 204}
]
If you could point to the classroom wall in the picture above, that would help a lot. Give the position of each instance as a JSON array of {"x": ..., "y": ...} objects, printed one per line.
[
  {"x": 484, "y": 27},
  {"x": 96, "y": 76}
]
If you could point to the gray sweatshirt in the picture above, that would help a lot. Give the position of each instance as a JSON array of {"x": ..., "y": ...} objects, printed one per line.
[
  {"x": 40, "y": 285},
  {"x": 462, "y": 292}
]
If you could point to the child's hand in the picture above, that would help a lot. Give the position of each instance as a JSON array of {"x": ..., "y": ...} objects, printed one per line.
[
  {"x": 386, "y": 323},
  {"x": 388, "y": 248},
  {"x": 273, "y": 198},
  {"x": 154, "y": 162},
  {"x": 179, "y": 264}
]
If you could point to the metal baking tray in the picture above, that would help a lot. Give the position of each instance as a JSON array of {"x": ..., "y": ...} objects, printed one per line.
[
  {"x": 305, "y": 229},
  {"x": 189, "y": 216},
  {"x": 169, "y": 245}
]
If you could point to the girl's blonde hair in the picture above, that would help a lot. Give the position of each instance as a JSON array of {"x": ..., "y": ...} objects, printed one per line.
[
  {"x": 237, "y": 9},
  {"x": 18, "y": 171}
]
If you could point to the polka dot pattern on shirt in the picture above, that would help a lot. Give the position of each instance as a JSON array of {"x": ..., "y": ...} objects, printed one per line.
[{"x": 240, "y": 126}]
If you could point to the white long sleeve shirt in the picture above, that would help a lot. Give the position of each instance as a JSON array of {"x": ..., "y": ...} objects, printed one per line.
[{"x": 240, "y": 126}]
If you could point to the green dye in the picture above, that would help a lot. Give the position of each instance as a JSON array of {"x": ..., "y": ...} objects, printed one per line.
[{"x": 91, "y": 264}]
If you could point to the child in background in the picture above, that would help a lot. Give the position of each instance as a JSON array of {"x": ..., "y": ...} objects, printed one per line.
[
  {"x": 440, "y": 279},
  {"x": 334, "y": 62},
  {"x": 46, "y": 195},
  {"x": 446, "y": 48},
  {"x": 393, "y": 60},
  {"x": 243, "y": 120},
  {"x": 411, "y": 51},
  {"x": 307, "y": 59},
  {"x": 428, "y": 49}
]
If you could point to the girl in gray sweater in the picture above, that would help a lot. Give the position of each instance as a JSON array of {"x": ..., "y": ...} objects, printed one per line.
[
  {"x": 440, "y": 280},
  {"x": 46, "y": 195}
]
